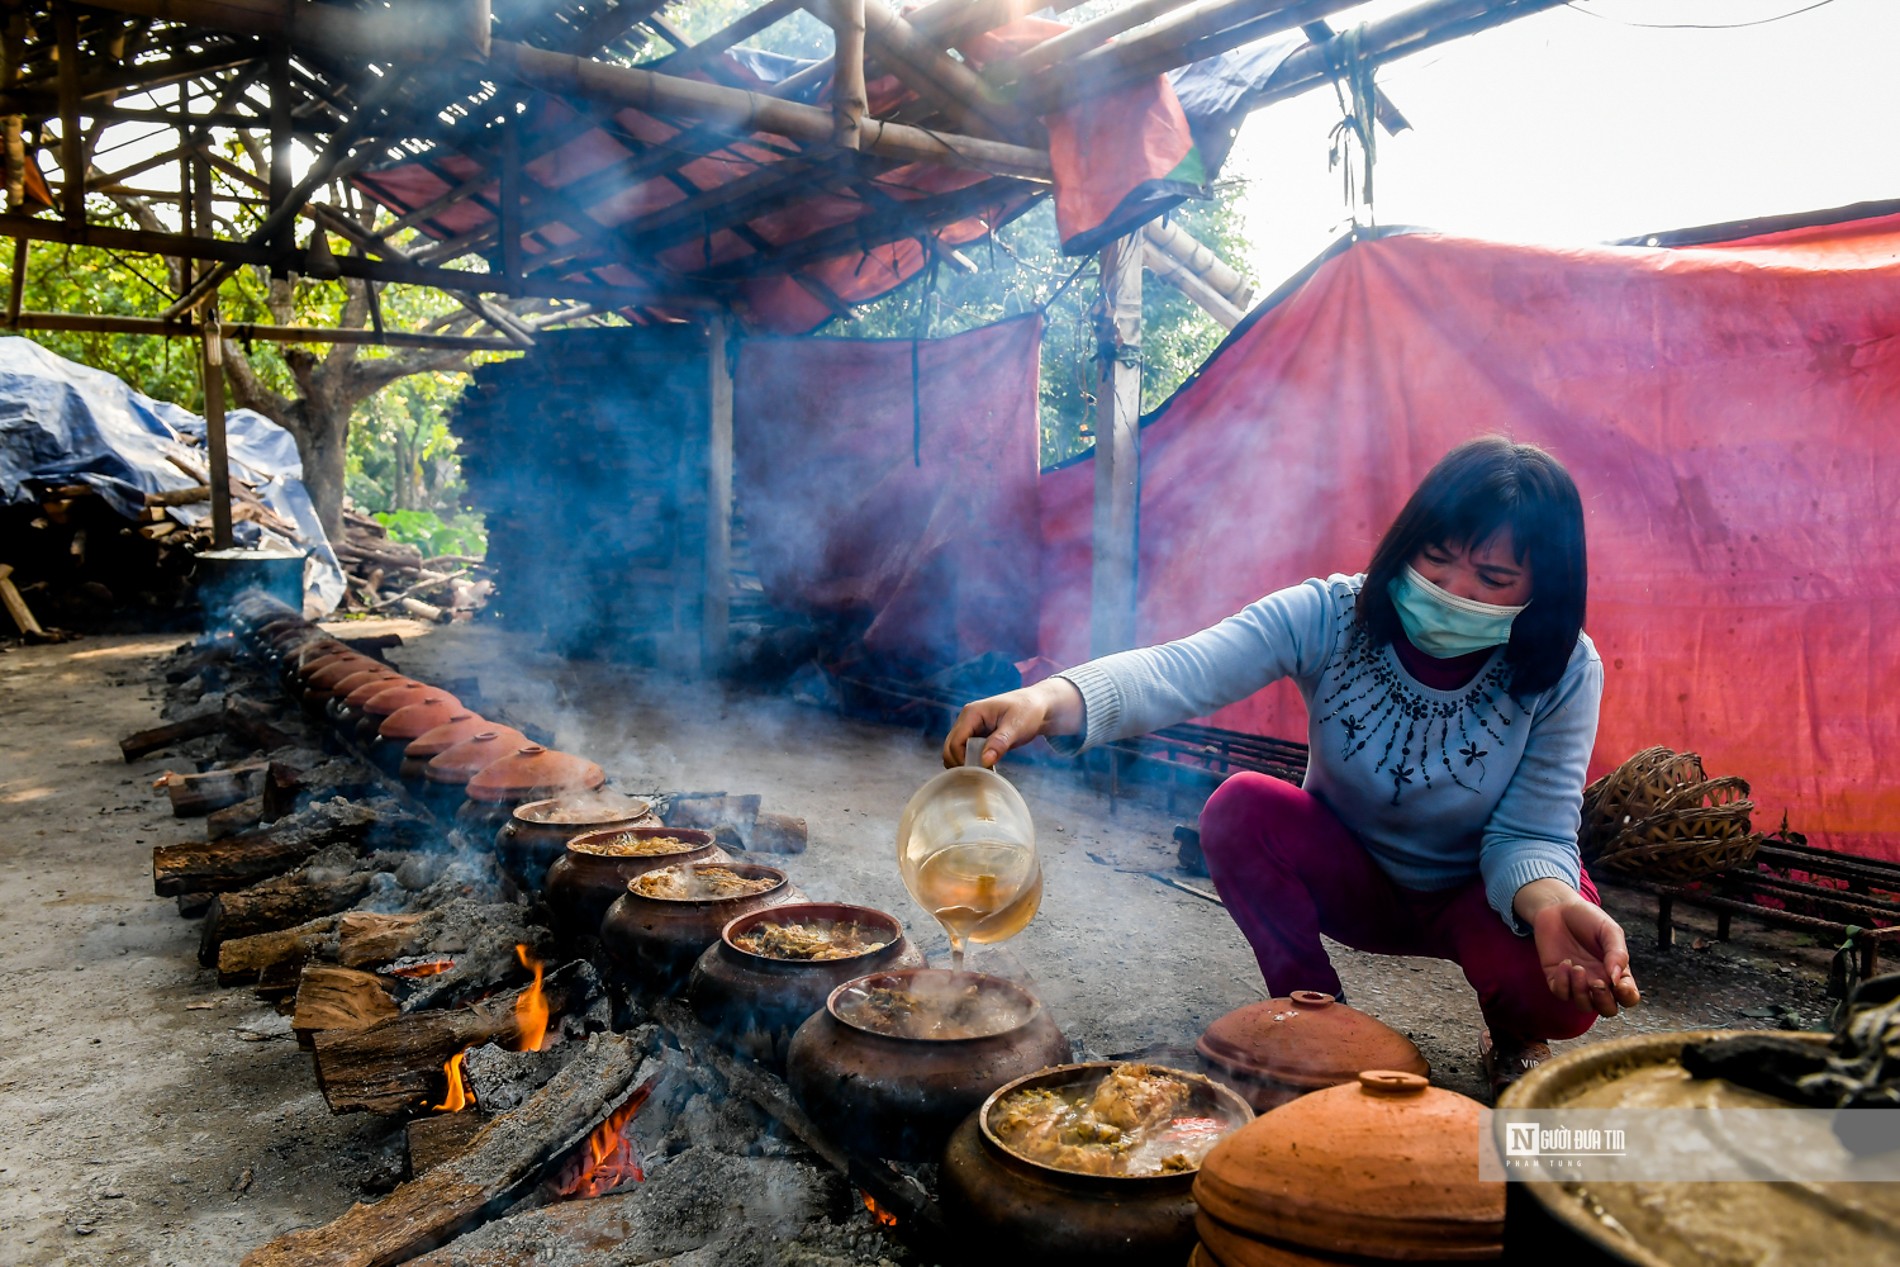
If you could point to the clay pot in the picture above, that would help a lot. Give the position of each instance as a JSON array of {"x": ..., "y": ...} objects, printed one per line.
[
  {"x": 1060, "y": 1218},
  {"x": 529, "y": 773},
  {"x": 1384, "y": 1167},
  {"x": 1276, "y": 1050},
  {"x": 413, "y": 720},
  {"x": 382, "y": 704},
  {"x": 432, "y": 743},
  {"x": 757, "y": 1002},
  {"x": 319, "y": 683},
  {"x": 902, "y": 1097},
  {"x": 446, "y": 774},
  {"x": 658, "y": 939},
  {"x": 346, "y": 704},
  {"x": 537, "y": 832},
  {"x": 581, "y": 885}
]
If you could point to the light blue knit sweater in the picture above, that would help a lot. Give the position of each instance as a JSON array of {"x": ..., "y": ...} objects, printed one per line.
[{"x": 1439, "y": 785}]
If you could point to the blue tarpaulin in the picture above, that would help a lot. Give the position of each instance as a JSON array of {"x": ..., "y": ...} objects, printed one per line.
[{"x": 66, "y": 423}]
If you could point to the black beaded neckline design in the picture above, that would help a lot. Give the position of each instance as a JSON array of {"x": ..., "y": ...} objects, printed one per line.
[{"x": 1373, "y": 699}]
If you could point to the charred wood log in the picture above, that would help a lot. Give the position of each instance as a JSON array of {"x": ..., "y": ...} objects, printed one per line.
[
  {"x": 146, "y": 742},
  {"x": 729, "y": 818},
  {"x": 439, "y": 1137},
  {"x": 506, "y": 1158},
  {"x": 242, "y": 960},
  {"x": 195, "y": 795},
  {"x": 778, "y": 833},
  {"x": 257, "y": 725},
  {"x": 232, "y": 819},
  {"x": 397, "y": 1064},
  {"x": 332, "y": 998},
  {"x": 235, "y": 862},
  {"x": 481, "y": 938},
  {"x": 277, "y": 904}
]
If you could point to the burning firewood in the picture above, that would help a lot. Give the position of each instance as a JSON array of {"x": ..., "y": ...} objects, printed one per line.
[
  {"x": 243, "y": 960},
  {"x": 146, "y": 742},
  {"x": 331, "y": 880},
  {"x": 238, "y": 861},
  {"x": 397, "y": 1063},
  {"x": 508, "y": 1157},
  {"x": 195, "y": 795}
]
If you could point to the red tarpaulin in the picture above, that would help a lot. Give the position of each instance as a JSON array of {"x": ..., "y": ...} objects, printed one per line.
[
  {"x": 1728, "y": 412},
  {"x": 895, "y": 479}
]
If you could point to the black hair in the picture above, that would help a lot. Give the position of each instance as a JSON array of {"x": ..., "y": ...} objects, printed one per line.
[{"x": 1479, "y": 487}]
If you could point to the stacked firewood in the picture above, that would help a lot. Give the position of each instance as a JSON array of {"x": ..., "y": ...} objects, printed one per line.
[{"x": 394, "y": 578}]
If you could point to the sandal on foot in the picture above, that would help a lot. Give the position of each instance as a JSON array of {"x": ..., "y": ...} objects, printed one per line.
[{"x": 1506, "y": 1059}]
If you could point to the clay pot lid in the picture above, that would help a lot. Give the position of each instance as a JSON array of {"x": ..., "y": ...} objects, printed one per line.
[
  {"x": 370, "y": 687},
  {"x": 462, "y": 724},
  {"x": 584, "y": 810},
  {"x": 333, "y": 669},
  {"x": 401, "y": 693},
  {"x": 1307, "y": 1039},
  {"x": 362, "y": 677},
  {"x": 531, "y": 771},
  {"x": 468, "y": 757},
  {"x": 1384, "y": 1166},
  {"x": 421, "y": 716},
  {"x": 313, "y": 656}
]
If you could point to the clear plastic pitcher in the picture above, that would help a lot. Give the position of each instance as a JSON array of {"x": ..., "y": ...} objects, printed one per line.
[{"x": 967, "y": 851}]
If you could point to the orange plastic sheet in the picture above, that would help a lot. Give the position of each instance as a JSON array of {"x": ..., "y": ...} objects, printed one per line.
[
  {"x": 893, "y": 482},
  {"x": 1728, "y": 411}
]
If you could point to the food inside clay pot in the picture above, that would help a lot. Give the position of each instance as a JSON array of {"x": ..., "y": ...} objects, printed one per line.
[
  {"x": 699, "y": 884},
  {"x": 811, "y": 940},
  {"x": 1130, "y": 1123},
  {"x": 634, "y": 845},
  {"x": 932, "y": 1009}
]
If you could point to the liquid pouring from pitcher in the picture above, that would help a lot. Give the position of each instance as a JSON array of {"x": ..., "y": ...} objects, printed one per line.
[{"x": 967, "y": 851}]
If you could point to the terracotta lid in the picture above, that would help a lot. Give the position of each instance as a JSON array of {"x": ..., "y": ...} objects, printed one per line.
[
  {"x": 1305, "y": 1040},
  {"x": 369, "y": 688},
  {"x": 469, "y": 757},
  {"x": 532, "y": 772},
  {"x": 583, "y": 810},
  {"x": 403, "y": 693},
  {"x": 363, "y": 677},
  {"x": 314, "y": 656},
  {"x": 333, "y": 669},
  {"x": 1385, "y": 1166},
  {"x": 421, "y": 716},
  {"x": 461, "y": 725}
]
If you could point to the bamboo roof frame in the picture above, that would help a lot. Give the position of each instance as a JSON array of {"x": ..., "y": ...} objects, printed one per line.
[{"x": 304, "y": 73}]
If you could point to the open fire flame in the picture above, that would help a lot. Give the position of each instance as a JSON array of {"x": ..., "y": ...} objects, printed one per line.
[
  {"x": 609, "y": 1158},
  {"x": 531, "y": 1007},
  {"x": 883, "y": 1216},
  {"x": 531, "y": 1026},
  {"x": 434, "y": 967},
  {"x": 458, "y": 1097}
]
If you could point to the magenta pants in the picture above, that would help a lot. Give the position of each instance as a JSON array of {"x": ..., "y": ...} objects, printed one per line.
[{"x": 1289, "y": 871}]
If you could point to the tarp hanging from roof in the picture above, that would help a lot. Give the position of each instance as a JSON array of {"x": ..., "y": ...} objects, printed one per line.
[
  {"x": 894, "y": 481},
  {"x": 1727, "y": 410}
]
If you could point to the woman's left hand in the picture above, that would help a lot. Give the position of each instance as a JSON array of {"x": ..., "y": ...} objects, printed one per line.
[{"x": 1586, "y": 961}]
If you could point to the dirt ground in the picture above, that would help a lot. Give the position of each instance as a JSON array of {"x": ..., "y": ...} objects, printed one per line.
[{"x": 152, "y": 1117}]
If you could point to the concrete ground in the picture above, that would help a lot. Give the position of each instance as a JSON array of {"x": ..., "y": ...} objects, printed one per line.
[{"x": 152, "y": 1117}]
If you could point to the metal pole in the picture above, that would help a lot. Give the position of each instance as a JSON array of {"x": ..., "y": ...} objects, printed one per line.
[
  {"x": 1117, "y": 448},
  {"x": 218, "y": 458}
]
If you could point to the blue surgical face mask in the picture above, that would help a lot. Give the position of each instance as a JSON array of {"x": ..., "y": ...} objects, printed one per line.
[{"x": 1443, "y": 625}]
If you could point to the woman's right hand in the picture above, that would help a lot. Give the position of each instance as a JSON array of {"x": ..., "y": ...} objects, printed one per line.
[{"x": 1052, "y": 706}]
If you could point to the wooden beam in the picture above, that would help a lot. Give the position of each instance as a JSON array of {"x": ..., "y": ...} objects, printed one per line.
[
  {"x": 715, "y": 613},
  {"x": 280, "y": 141},
  {"x": 718, "y": 42},
  {"x": 72, "y": 156},
  {"x": 87, "y": 323},
  {"x": 921, "y": 62},
  {"x": 1117, "y": 449},
  {"x": 849, "y": 100},
  {"x": 645, "y": 90},
  {"x": 217, "y": 451}
]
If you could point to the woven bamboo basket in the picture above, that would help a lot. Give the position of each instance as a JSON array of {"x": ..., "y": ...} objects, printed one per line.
[
  {"x": 1696, "y": 831},
  {"x": 1634, "y": 791}
]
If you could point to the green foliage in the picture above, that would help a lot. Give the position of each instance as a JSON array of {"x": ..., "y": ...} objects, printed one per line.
[
  {"x": 1021, "y": 269},
  {"x": 462, "y": 533},
  {"x": 402, "y": 455}
]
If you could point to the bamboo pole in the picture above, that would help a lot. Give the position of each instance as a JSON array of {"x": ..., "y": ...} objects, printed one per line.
[
  {"x": 1185, "y": 280},
  {"x": 715, "y": 614},
  {"x": 218, "y": 457},
  {"x": 1079, "y": 39},
  {"x": 849, "y": 100},
  {"x": 1199, "y": 258},
  {"x": 86, "y": 323},
  {"x": 1117, "y": 448}
]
